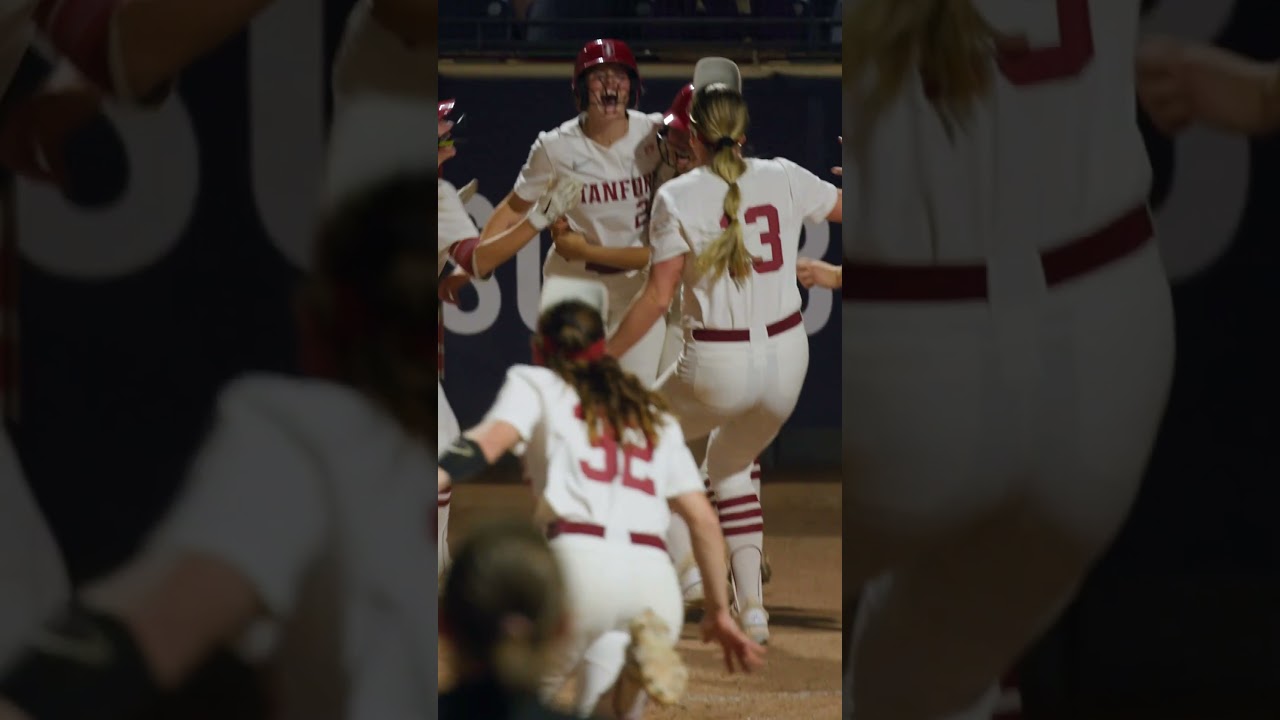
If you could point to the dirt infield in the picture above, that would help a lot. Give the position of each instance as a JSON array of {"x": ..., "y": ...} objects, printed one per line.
[{"x": 802, "y": 540}]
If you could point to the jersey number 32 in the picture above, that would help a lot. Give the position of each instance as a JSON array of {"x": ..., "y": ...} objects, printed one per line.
[{"x": 618, "y": 463}]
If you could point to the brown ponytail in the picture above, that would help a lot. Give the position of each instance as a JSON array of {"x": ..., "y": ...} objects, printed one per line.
[
  {"x": 570, "y": 343},
  {"x": 719, "y": 117},
  {"x": 947, "y": 41}
]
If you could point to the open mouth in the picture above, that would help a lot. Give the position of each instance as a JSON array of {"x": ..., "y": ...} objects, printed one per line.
[{"x": 609, "y": 99}]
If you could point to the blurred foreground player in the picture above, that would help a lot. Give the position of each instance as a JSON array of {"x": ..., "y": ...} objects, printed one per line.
[
  {"x": 504, "y": 611},
  {"x": 282, "y": 521},
  {"x": 1008, "y": 333}
]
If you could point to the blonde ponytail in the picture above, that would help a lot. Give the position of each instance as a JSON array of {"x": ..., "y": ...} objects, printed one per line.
[
  {"x": 947, "y": 41},
  {"x": 719, "y": 115}
]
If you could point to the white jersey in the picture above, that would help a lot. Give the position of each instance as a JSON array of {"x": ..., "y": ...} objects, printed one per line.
[
  {"x": 371, "y": 58},
  {"x": 1015, "y": 174},
  {"x": 777, "y": 197},
  {"x": 617, "y": 181},
  {"x": 322, "y": 502},
  {"x": 623, "y": 489},
  {"x": 453, "y": 227}
]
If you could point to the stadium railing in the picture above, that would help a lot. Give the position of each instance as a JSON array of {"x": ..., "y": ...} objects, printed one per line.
[{"x": 660, "y": 38}]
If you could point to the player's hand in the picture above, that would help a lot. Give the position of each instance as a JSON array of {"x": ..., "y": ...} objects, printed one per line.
[
  {"x": 839, "y": 169},
  {"x": 442, "y": 484},
  {"x": 34, "y": 134},
  {"x": 1162, "y": 84},
  {"x": 468, "y": 191},
  {"x": 450, "y": 285},
  {"x": 720, "y": 627},
  {"x": 812, "y": 272},
  {"x": 570, "y": 245},
  {"x": 560, "y": 198}
]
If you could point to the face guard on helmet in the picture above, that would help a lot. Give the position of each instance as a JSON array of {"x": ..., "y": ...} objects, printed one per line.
[
  {"x": 677, "y": 153},
  {"x": 605, "y": 52},
  {"x": 447, "y": 112}
]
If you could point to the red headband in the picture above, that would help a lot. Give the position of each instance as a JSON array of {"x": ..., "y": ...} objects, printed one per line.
[{"x": 591, "y": 353}]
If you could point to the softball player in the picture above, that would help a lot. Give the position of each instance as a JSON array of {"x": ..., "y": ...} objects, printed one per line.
[
  {"x": 505, "y": 577},
  {"x": 746, "y": 351},
  {"x": 1008, "y": 335},
  {"x": 607, "y": 466},
  {"x": 306, "y": 507},
  {"x": 613, "y": 151},
  {"x": 678, "y": 158},
  {"x": 458, "y": 241}
]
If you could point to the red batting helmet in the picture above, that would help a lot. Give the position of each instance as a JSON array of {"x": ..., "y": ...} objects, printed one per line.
[
  {"x": 678, "y": 116},
  {"x": 606, "y": 51},
  {"x": 445, "y": 111}
]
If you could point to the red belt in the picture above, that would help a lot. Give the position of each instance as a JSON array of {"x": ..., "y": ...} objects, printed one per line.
[
  {"x": 709, "y": 335},
  {"x": 869, "y": 281},
  {"x": 564, "y": 527}
]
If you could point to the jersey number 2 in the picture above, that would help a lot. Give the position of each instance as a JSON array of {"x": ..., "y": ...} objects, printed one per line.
[
  {"x": 1066, "y": 60},
  {"x": 610, "y": 471},
  {"x": 770, "y": 237}
]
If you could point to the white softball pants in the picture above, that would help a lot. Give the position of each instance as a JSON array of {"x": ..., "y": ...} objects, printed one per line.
[
  {"x": 609, "y": 582},
  {"x": 740, "y": 394},
  {"x": 992, "y": 450}
]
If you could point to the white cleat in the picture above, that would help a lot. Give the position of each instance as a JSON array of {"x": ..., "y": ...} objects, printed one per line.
[
  {"x": 754, "y": 620},
  {"x": 653, "y": 661}
]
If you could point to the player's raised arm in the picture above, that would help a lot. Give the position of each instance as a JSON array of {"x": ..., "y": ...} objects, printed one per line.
[
  {"x": 494, "y": 250},
  {"x": 536, "y": 178},
  {"x": 1180, "y": 83},
  {"x": 573, "y": 245},
  {"x": 668, "y": 254},
  {"x": 132, "y": 49},
  {"x": 511, "y": 419}
]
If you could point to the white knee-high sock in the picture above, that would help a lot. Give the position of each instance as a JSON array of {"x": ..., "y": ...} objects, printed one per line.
[{"x": 742, "y": 521}]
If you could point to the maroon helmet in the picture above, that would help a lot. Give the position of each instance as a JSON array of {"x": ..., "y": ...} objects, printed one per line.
[
  {"x": 678, "y": 115},
  {"x": 603, "y": 52}
]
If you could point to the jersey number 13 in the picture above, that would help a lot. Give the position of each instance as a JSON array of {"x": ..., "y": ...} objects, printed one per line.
[{"x": 770, "y": 235}]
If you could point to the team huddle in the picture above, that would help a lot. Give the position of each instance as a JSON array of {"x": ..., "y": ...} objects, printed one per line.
[{"x": 668, "y": 354}]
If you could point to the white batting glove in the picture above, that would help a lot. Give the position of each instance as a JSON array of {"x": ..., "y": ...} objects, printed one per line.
[
  {"x": 559, "y": 199},
  {"x": 468, "y": 191}
]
